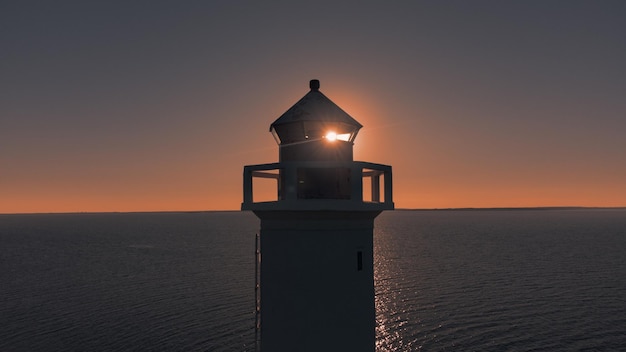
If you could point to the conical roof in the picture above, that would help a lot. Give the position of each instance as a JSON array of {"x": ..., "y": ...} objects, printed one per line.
[{"x": 315, "y": 106}]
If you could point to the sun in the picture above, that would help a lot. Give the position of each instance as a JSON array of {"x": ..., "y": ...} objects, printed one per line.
[{"x": 331, "y": 136}]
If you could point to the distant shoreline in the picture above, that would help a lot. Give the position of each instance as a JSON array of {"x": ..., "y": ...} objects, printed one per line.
[
  {"x": 397, "y": 209},
  {"x": 512, "y": 208}
]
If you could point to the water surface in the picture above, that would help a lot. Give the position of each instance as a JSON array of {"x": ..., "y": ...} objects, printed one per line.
[{"x": 515, "y": 280}]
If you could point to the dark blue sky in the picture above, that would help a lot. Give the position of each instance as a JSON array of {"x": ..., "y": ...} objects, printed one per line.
[{"x": 154, "y": 105}]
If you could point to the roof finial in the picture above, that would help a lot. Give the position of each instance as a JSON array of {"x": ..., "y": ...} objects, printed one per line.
[{"x": 314, "y": 84}]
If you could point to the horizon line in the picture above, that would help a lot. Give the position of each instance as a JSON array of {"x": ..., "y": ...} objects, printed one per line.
[{"x": 399, "y": 209}]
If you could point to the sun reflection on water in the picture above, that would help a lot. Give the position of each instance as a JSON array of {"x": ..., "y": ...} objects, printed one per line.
[
  {"x": 391, "y": 321},
  {"x": 485, "y": 281}
]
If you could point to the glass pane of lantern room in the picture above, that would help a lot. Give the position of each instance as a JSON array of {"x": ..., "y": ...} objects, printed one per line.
[
  {"x": 344, "y": 137},
  {"x": 275, "y": 135}
]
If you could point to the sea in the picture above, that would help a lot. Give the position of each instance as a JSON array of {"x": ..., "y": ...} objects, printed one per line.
[{"x": 445, "y": 280}]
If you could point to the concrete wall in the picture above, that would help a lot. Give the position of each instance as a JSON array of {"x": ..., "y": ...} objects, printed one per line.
[{"x": 316, "y": 295}]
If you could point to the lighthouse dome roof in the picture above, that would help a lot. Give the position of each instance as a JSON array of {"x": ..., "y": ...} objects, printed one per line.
[{"x": 315, "y": 107}]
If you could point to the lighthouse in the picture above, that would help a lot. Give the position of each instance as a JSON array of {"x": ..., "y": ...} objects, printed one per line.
[{"x": 315, "y": 268}]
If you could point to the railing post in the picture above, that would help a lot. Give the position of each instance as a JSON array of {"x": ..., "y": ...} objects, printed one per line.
[
  {"x": 290, "y": 181},
  {"x": 247, "y": 185},
  {"x": 376, "y": 187},
  {"x": 388, "y": 186},
  {"x": 356, "y": 175}
]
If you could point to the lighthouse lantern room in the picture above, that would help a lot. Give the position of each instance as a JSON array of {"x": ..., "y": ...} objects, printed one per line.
[{"x": 315, "y": 274}]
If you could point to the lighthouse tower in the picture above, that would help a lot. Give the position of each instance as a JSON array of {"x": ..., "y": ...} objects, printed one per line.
[{"x": 315, "y": 289}]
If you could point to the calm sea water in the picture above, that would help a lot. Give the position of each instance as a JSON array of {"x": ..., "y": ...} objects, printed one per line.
[{"x": 515, "y": 280}]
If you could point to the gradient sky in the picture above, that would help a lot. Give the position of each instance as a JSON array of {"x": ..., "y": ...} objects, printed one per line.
[{"x": 153, "y": 105}]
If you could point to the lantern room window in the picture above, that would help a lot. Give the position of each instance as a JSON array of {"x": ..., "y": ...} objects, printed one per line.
[{"x": 305, "y": 131}]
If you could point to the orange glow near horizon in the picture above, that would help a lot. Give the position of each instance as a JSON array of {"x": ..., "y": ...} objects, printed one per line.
[{"x": 429, "y": 172}]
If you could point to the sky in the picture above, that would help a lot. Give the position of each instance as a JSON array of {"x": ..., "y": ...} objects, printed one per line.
[{"x": 157, "y": 105}]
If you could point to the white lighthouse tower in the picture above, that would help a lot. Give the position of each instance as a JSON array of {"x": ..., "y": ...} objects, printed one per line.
[{"x": 315, "y": 288}]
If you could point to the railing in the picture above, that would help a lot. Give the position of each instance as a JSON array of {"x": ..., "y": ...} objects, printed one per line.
[{"x": 340, "y": 186}]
